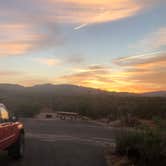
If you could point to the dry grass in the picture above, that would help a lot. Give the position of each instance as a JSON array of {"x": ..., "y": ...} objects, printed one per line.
[{"x": 113, "y": 159}]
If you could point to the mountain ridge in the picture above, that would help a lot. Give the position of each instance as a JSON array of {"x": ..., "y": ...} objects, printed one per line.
[{"x": 67, "y": 88}]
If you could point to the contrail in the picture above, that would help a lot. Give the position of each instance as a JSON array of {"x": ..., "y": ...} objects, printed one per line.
[
  {"x": 140, "y": 56},
  {"x": 80, "y": 26}
]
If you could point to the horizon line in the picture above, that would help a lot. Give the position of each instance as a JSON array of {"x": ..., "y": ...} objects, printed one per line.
[{"x": 30, "y": 86}]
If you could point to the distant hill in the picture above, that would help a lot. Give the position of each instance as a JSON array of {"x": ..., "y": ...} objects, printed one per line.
[
  {"x": 157, "y": 93},
  {"x": 64, "y": 89},
  {"x": 95, "y": 103},
  {"x": 68, "y": 89},
  {"x": 11, "y": 87},
  {"x": 60, "y": 89}
]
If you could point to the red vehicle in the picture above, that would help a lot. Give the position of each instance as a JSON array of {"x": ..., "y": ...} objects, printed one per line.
[{"x": 11, "y": 134}]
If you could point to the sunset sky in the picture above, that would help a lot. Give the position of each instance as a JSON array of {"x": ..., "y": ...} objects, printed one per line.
[{"x": 115, "y": 45}]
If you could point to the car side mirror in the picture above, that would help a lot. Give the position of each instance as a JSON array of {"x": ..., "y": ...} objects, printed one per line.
[{"x": 14, "y": 119}]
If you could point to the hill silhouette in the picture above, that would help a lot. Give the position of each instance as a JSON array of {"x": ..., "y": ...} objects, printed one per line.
[{"x": 95, "y": 103}]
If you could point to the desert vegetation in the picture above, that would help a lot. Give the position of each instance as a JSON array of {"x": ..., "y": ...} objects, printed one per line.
[
  {"x": 87, "y": 102},
  {"x": 145, "y": 147}
]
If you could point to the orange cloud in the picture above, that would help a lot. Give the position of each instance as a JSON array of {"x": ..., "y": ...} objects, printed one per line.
[
  {"x": 35, "y": 27},
  {"x": 100, "y": 77},
  {"x": 22, "y": 78},
  {"x": 147, "y": 71},
  {"x": 141, "y": 59},
  {"x": 10, "y": 76},
  {"x": 48, "y": 61},
  {"x": 135, "y": 74},
  {"x": 93, "y": 76},
  {"x": 14, "y": 48},
  {"x": 17, "y": 39},
  {"x": 86, "y": 12}
]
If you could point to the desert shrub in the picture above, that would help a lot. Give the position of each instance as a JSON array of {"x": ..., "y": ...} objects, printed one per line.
[
  {"x": 28, "y": 110},
  {"x": 160, "y": 122},
  {"x": 129, "y": 121},
  {"x": 143, "y": 147}
]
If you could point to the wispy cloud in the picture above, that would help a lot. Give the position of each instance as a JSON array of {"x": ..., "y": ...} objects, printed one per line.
[
  {"x": 48, "y": 61},
  {"x": 153, "y": 41},
  {"x": 85, "y": 12},
  {"x": 20, "y": 39},
  {"x": 148, "y": 71},
  {"x": 32, "y": 25},
  {"x": 138, "y": 73},
  {"x": 89, "y": 12},
  {"x": 11, "y": 76},
  {"x": 75, "y": 59},
  {"x": 16, "y": 39},
  {"x": 96, "y": 76},
  {"x": 22, "y": 78},
  {"x": 141, "y": 59}
]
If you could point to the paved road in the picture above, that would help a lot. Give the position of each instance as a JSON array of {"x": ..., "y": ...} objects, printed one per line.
[{"x": 62, "y": 143}]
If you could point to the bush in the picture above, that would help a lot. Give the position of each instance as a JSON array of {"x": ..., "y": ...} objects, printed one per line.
[
  {"x": 28, "y": 110},
  {"x": 143, "y": 147},
  {"x": 129, "y": 121},
  {"x": 160, "y": 122}
]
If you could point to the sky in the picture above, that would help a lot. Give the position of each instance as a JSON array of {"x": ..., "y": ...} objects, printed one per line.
[{"x": 114, "y": 45}]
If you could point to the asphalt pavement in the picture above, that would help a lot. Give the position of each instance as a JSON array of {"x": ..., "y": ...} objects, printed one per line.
[{"x": 63, "y": 143}]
